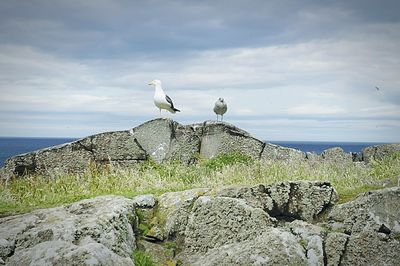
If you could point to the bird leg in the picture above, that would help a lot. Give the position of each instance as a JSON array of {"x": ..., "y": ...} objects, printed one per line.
[
  {"x": 160, "y": 111},
  {"x": 222, "y": 117}
]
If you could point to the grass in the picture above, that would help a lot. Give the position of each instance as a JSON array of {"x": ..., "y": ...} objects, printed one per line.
[
  {"x": 20, "y": 195},
  {"x": 141, "y": 258}
]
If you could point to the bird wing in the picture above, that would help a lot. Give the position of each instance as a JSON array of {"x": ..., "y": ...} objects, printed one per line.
[{"x": 169, "y": 101}]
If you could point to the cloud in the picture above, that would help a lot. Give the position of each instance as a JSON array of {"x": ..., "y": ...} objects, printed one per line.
[
  {"x": 88, "y": 64},
  {"x": 316, "y": 109}
]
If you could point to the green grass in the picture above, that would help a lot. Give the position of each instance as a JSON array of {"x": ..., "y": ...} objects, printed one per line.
[
  {"x": 24, "y": 194},
  {"x": 141, "y": 258}
]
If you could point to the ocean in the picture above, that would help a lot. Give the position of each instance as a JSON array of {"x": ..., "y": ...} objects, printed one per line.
[{"x": 10, "y": 146}]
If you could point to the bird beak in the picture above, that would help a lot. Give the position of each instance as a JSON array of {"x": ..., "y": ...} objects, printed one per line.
[{"x": 150, "y": 83}]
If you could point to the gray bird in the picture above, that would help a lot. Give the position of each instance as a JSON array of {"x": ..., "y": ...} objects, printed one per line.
[{"x": 220, "y": 108}]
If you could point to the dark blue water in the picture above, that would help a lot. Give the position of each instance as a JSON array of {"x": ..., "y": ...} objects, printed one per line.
[
  {"x": 320, "y": 146},
  {"x": 13, "y": 146}
]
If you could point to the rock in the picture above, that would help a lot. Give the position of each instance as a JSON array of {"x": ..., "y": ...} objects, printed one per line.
[
  {"x": 164, "y": 139},
  {"x": 94, "y": 231},
  {"x": 337, "y": 154},
  {"x": 313, "y": 157},
  {"x": 60, "y": 252},
  {"x": 221, "y": 138},
  {"x": 214, "y": 222},
  {"x": 303, "y": 200},
  {"x": 185, "y": 144},
  {"x": 357, "y": 156},
  {"x": 377, "y": 152},
  {"x": 172, "y": 212},
  {"x": 370, "y": 210},
  {"x": 65, "y": 158},
  {"x": 311, "y": 238},
  {"x": 159, "y": 139},
  {"x": 271, "y": 246},
  {"x": 116, "y": 148},
  {"x": 335, "y": 246},
  {"x": 155, "y": 137},
  {"x": 371, "y": 248},
  {"x": 275, "y": 152},
  {"x": 145, "y": 201}
]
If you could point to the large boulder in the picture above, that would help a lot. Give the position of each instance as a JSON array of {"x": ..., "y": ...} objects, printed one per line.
[
  {"x": 271, "y": 246},
  {"x": 158, "y": 139},
  {"x": 219, "y": 138},
  {"x": 337, "y": 155},
  {"x": 172, "y": 213},
  {"x": 276, "y": 152},
  {"x": 216, "y": 221},
  {"x": 371, "y": 248},
  {"x": 302, "y": 200},
  {"x": 377, "y": 210},
  {"x": 96, "y": 231},
  {"x": 379, "y": 151}
]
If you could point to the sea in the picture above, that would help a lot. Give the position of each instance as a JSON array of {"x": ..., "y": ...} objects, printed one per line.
[{"x": 10, "y": 146}]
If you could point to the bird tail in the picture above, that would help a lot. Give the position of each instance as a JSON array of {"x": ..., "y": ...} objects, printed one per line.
[{"x": 175, "y": 110}]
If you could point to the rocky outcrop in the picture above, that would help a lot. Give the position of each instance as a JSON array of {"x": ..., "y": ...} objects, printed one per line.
[
  {"x": 98, "y": 231},
  {"x": 163, "y": 140},
  {"x": 235, "y": 226},
  {"x": 379, "y": 151},
  {"x": 227, "y": 226},
  {"x": 276, "y": 152},
  {"x": 336, "y": 155}
]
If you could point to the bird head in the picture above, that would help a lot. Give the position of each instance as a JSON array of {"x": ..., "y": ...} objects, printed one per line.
[
  {"x": 221, "y": 99},
  {"x": 155, "y": 82}
]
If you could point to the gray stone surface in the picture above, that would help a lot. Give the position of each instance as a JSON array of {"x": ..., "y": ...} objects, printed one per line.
[
  {"x": 94, "y": 232},
  {"x": 311, "y": 238},
  {"x": 60, "y": 252},
  {"x": 155, "y": 137},
  {"x": 335, "y": 246},
  {"x": 379, "y": 151},
  {"x": 185, "y": 144},
  {"x": 115, "y": 147},
  {"x": 303, "y": 200},
  {"x": 237, "y": 225},
  {"x": 337, "y": 154},
  {"x": 173, "y": 211},
  {"x": 276, "y": 152},
  {"x": 377, "y": 210},
  {"x": 220, "y": 137},
  {"x": 271, "y": 246},
  {"x": 216, "y": 221},
  {"x": 371, "y": 248},
  {"x": 145, "y": 201}
]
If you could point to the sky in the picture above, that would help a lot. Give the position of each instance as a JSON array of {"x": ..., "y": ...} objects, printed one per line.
[{"x": 288, "y": 69}]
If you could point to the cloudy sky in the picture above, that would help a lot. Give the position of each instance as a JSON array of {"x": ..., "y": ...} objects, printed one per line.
[{"x": 289, "y": 70}]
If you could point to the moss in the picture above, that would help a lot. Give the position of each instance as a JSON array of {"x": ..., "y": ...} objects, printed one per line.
[
  {"x": 397, "y": 237},
  {"x": 303, "y": 244}
]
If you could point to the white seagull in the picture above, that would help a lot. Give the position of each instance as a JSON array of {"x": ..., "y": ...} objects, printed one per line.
[
  {"x": 220, "y": 108},
  {"x": 161, "y": 100}
]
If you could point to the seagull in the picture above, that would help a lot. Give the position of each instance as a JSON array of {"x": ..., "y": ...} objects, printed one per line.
[
  {"x": 220, "y": 108},
  {"x": 161, "y": 100}
]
